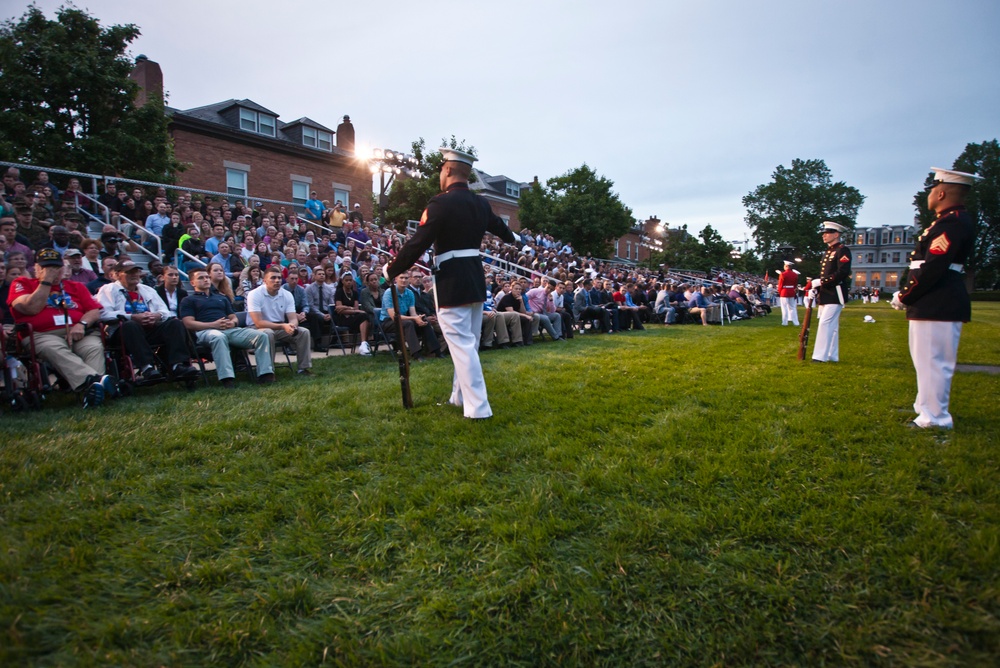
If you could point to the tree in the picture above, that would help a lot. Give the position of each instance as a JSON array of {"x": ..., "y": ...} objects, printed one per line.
[
  {"x": 67, "y": 100},
  {"x": 578, "y": 207},
  {"x": 788, "y": 211},
  {"x": 705, "y": 252},
  {"x": 983, "y": 202},
  {"x": 409, "y": 194}
]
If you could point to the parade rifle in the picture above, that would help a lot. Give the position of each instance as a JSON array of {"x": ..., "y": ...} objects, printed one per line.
[
  {"x": 804, "y": 334},
  {"x": 402, "y": 356}
]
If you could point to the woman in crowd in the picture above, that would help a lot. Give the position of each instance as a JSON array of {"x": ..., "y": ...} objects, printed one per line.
[
  {"x": 250, "y": 279},
  {"x": 92, "y": 255},
  {"x": 220, "y": 281}
]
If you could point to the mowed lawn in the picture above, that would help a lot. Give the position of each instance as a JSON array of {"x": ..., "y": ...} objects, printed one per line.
[{"x": 680, "y": 496}]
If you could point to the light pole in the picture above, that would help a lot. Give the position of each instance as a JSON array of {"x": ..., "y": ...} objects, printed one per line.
[{"x": 387, "y": 161}]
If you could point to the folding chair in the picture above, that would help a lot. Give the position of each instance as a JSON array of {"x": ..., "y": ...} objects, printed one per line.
[{"x": 241, "y": 318}]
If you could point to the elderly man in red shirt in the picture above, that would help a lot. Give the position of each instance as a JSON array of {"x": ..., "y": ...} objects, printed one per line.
[{"x": 61, "y": 313}]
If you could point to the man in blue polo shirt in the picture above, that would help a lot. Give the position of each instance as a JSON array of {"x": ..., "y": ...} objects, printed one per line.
[{"x": 210, "y": 316}]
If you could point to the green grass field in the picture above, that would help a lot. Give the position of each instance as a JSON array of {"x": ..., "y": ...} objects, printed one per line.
[{"x": 681, "y": 496}]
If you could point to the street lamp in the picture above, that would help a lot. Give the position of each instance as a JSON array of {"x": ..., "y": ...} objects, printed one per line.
[{"x": 391, "y": 163}]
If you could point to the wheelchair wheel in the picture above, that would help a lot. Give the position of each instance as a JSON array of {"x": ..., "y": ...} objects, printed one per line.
[
  {"x": 18, "y": 402},
  {"x": 34, "y": 400}
]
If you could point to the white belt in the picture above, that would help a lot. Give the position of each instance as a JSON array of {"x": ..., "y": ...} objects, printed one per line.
[
  {"x": 450, "y": 255},
  {"x": 916, "y": 264}
]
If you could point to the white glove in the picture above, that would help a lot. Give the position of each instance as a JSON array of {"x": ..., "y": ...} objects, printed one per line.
[
  {"x": 813, "y": 294},
  {"x": 816, "y": 283},
  {"x": 896, "y": 304},
  {"x": 385, "y": 271}
]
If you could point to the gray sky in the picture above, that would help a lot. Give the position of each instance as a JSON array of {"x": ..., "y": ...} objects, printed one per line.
[{"x": 686, "y": 106}]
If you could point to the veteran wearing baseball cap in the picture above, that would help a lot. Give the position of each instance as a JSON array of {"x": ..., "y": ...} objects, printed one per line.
[{"x": 935, "y": 295}]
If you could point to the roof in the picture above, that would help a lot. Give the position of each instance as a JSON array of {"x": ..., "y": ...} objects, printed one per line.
[
  {"x": 215, "y": 114},
  {"x": 495, "y": 186}
]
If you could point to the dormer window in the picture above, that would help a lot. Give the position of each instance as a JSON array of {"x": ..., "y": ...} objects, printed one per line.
[
  {"x": 513, "y": 190},
  {"x": 317, "y": 138},
  {"x": 252, "y": 121}
]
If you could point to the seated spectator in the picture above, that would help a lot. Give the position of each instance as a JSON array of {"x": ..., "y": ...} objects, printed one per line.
[
  {"x": 34, "y": 231},
  {"x": 628, "y": 311},
  {"x": 513, "y": 303},
  {"x": 603, "y": 295},
  {"x": 62, "y": 315},
  {"x": 213, "y": 242},
  {"x": 698, "y": 305},
  {"x": 106, "y": 276},
  {"x": 662, "y": 305},
  {"x": 192, "y": 245},
  {"x": 153, "y": 275},
  {"x": 739, "y": 303},
  {"x": 347, "y": 308},
  {"x": 140, "y": 319},
  {"x": 170, "y": 291},
  {"x": 585, "y": 310},
  {"x": 210, "y": 316},
  {"x": 16, "y": 242},
  {"x": 320, "y": 296},
  {"x": 171, "y": 236},
  {"x": 77, "y": 272},
  {"x": 541, "y": 303},
  {"x": 231, "y": 264},
  {"x": 412, "y": 322},
  {"x": 220, "y": 282},
  {"x": 298, "y": 293},
  {"x": 16, "y": 260},
  {"x": 273, "y": 311},
  {"x": 370, "y": 301},
  {"x": 563, "y": 301},
  {"x": 252, "y": 278}
]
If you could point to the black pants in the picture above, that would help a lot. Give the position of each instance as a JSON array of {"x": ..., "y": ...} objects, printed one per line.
[
  {"x": 410, "y": 332},
  {"x": 597, "y": 313},
  {"x": 139, "y": 341}
]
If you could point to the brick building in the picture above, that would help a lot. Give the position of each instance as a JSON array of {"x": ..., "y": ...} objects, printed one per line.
[
  {"x": 503, "y": 194},
  {"x": 244, "y": 149},
  {"x": 641, "y": 241}
]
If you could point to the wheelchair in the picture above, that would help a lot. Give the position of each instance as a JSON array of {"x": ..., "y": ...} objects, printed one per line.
[{"x": 25, "y": 376}]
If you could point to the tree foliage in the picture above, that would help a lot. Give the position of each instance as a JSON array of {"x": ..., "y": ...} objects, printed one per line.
[
  {"x": 983, "y": 203},
  {"x": 787, "y": 211},
  {"x": 578, "y": 207},
  {"x": 67, "y": 100},
  {"x": 409, "y": 195},
  {"x": 704, "y": 252}
]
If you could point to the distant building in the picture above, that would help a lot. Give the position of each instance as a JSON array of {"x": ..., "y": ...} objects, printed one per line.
[
  {"x": 503, "y": 193},
  {"x": 242, "y": 148},
  {"x": 880, "y": 255}
]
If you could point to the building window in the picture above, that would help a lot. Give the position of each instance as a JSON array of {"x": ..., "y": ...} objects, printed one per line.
[
  {"x": 859, "y": 279},
  {"x": 513, "y": 190},
  {"x": 871, "y": 237},
  {"x": 885, "y": 237},
  {"x": 895, "y": 257},
  {"x": 876, "y": 279},
  {"x": 870, "y": 258},
  {"x": 251, "y": 121},
  {"x": 343, "y": 196},
  {"x": 885, "y": 258},
  {"x": 861, "y": 257},
  {"x": 861, "y": 239},
  {"x": 317, "y": 138},
  {"x": 236, "y": 182},
  {"x": 300, "y": 193},
  {"x": 897, "y": 238},
  {"x": 891, "y": 279}
]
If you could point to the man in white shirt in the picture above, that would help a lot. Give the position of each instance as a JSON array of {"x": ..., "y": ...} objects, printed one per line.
[{"x": 273, "y": 311}]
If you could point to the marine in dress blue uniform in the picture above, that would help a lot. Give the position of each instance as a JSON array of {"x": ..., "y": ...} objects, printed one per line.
[
  {"x": 455, "y": 222},
  {"x": 935, "y": 296},
  {"x": 831, "y": 289}
]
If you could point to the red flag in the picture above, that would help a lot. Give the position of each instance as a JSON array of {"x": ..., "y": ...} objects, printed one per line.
[{"x": 767, "y": 275}]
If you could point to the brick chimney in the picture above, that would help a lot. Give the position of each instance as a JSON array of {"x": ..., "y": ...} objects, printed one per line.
[
  {"x": 149, "y": 76},
  {"x": 345, "y": 135}
]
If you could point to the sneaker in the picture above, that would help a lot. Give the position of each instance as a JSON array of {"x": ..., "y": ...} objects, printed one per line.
[
  {"x": 185, "y": 371},
  {"x": 150, "y": 374},
  {"x": 364, "y": 349},
  {"x": 94, "y": 395},
  {"x": 305, "y": 372},
  {"x": 110, "y": 386}
]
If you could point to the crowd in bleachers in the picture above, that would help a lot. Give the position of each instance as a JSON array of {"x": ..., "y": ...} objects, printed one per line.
[{"x": 330, "y": 265}]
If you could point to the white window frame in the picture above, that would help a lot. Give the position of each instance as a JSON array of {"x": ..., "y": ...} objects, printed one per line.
[
  {"x": 239, "y": 175},
  {"x": 305, "y": 188},
  {"x": 343, "y": 196},
  {"x": 513, "y": 189},
  {"x": 252, "y": 121},
  {"x": 320, "y": 140}
]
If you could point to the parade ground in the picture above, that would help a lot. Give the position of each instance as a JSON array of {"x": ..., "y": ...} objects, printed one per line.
[{"x": 685, "y": 495}]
